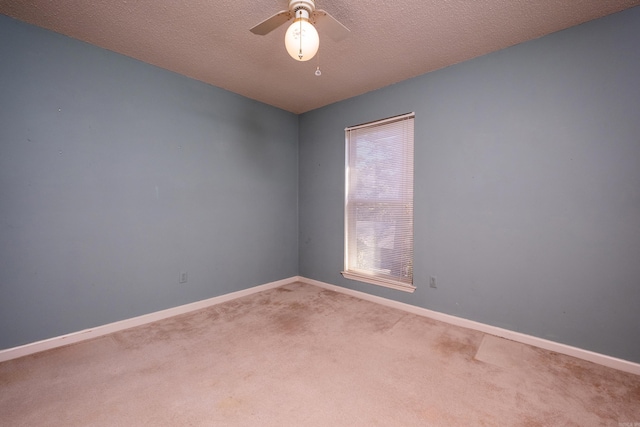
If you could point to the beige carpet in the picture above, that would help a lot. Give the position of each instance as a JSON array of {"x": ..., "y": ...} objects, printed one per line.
[{"x": 303, "y": 356}]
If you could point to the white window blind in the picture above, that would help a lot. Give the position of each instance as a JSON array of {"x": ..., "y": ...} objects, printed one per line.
[{"x": 379, "y": 203}]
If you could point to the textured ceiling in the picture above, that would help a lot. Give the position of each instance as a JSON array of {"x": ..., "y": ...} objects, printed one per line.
[{"x": 390, "y": 41}]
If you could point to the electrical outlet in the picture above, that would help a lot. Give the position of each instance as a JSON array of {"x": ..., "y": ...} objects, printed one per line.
[
  {"x": 432, "y": 282},
  {"x": 183, "y": 277}
]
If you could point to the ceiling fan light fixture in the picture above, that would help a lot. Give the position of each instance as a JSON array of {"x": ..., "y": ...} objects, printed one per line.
[{"x": 301, "y": 39}]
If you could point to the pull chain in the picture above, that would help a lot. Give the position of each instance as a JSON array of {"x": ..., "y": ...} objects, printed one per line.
[
  {"x": 318, "y": 73},
  {"x": 300, "y": 53}
]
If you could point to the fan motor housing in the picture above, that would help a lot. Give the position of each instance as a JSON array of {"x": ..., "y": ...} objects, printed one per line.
[{"x": 296, "y": 5}]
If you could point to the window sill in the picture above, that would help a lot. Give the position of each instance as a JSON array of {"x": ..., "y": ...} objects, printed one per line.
[{"x": 393, "y": 284}]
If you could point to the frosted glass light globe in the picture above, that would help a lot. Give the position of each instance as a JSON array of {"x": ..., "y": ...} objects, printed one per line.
[{"x": 301, "y": 40}]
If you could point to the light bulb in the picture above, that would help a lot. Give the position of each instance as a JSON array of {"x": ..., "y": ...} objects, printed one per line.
[{"x": 301, "y": 40}]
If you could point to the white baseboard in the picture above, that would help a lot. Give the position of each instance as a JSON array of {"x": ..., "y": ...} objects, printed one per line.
[
  {"x": 601, "y": 359},
  {"x": 74, "y": 337}
]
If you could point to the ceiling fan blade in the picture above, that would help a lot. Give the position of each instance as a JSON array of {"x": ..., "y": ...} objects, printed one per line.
[
  {"x": 271, "y": 23},
  {"x": 326, "y": 23}
]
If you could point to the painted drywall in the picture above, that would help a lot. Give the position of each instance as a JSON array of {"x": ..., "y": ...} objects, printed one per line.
[
  {"x": 116, "y": 176},
  {"x": 527, "y": 186}
]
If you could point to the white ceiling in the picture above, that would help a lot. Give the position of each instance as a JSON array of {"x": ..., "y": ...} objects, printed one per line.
[{"x": 390, "y": 41}]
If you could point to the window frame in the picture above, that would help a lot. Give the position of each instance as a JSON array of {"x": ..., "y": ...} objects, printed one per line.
[{"x": 370, "y": 276}]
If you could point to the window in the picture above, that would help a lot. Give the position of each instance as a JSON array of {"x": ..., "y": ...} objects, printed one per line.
[{"x": 379, "y": 203}]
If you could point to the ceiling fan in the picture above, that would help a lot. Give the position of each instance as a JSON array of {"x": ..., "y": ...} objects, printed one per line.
[{"x": 301, "y": 39}]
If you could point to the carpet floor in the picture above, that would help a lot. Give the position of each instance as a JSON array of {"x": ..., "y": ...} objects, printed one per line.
[{"x": 300, "y": 355}]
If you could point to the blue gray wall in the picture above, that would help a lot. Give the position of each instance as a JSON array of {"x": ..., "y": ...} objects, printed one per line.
[
  {"x": 115, "y": 176},
  {"x": 527, "y": 186}
]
